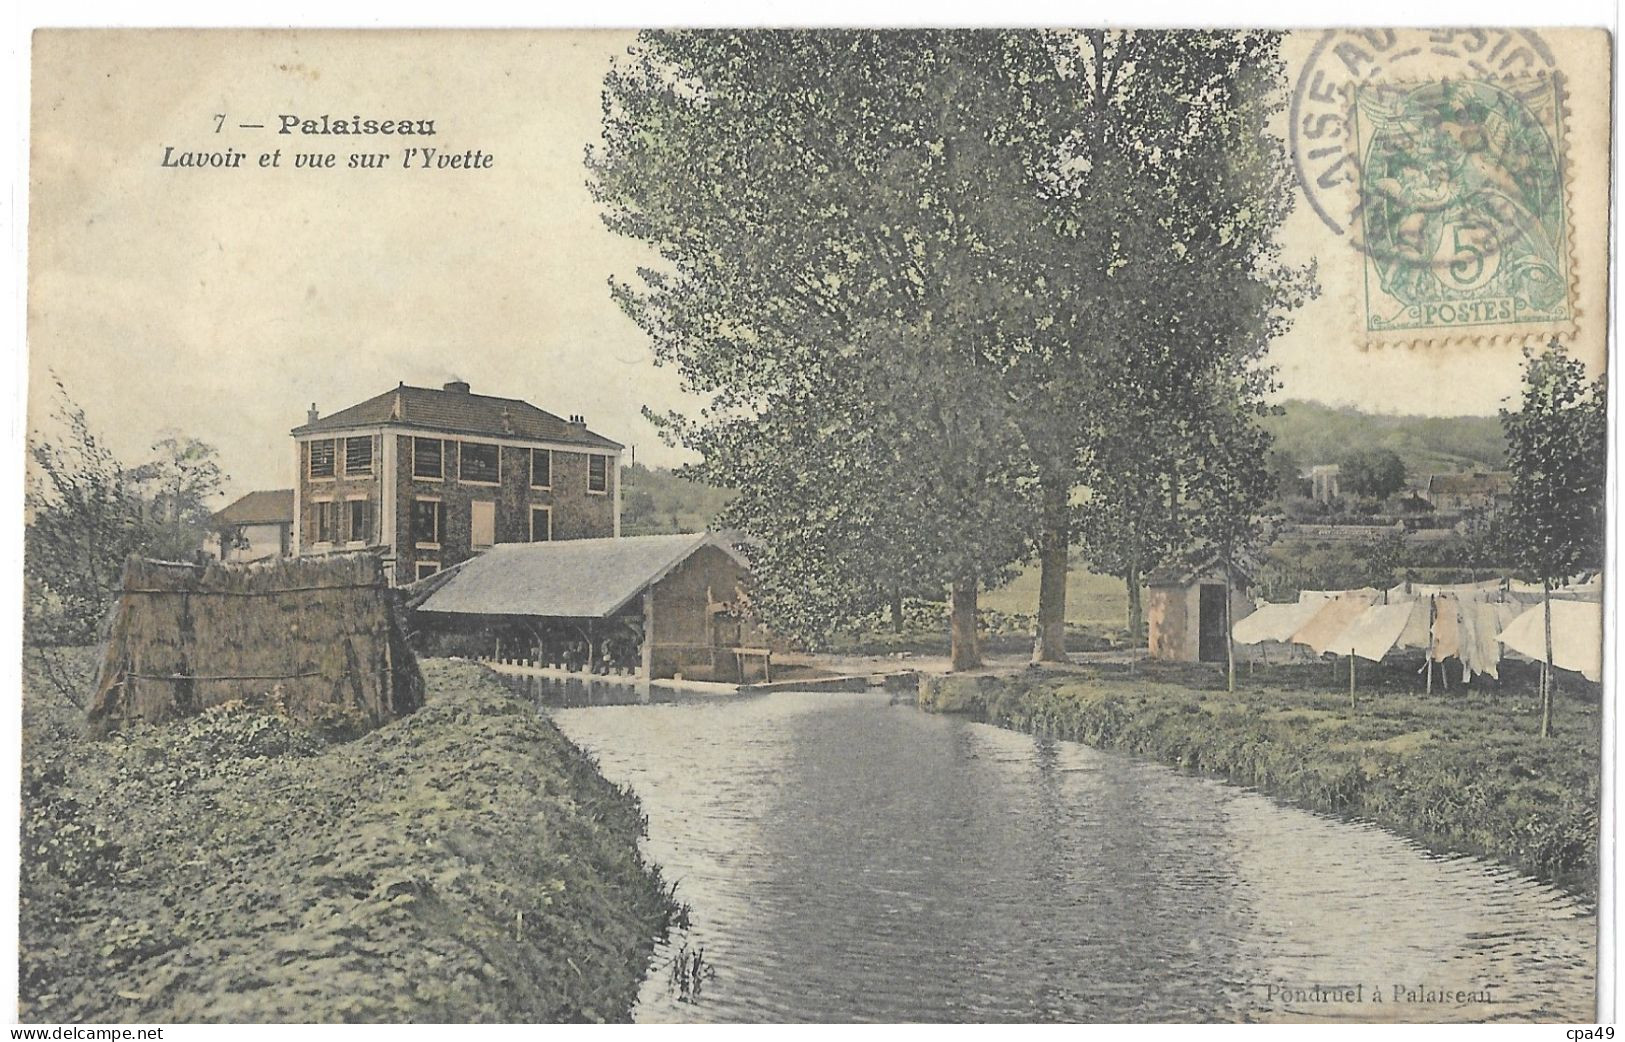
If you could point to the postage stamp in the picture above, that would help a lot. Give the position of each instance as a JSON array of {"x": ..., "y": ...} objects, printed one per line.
[
  {"x": 1461, "y": 204},
  {"x": 1449, "y": 163}
]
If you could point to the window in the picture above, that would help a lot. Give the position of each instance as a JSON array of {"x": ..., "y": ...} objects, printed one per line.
[
  {"x": 428, "y": 521},
  {"x": 482, "y": 523},
  {"x": 357, "y": 521},
  {"x": 358, "y": 455},
  {"x": 427, "y": 568},
  {"x": 321, "y": 458},
  {"x": 480, "y": 463},
  {"x": 597, "y": 473},
  {"x": 541, "y": 524},
  {"x": 541, "y": 468},
  {"x": 428, "y": 458},
  {"x": 324, "y": 520}
]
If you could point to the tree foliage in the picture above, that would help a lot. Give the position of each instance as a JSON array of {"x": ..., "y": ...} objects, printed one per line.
[
  {"x": 1372, "y": 473},
  {"x": 86, "y": 512},
  {"x": 836, "y": 213},
  {"x": 1557, "y": 450},
  {"x": 929, "y": 282}
]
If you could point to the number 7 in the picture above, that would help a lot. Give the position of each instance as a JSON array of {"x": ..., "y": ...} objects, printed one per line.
[{"x": 219, "y": 121}]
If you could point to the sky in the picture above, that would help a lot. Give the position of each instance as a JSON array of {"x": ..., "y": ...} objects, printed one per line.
[{"x": 223, "y": 302}]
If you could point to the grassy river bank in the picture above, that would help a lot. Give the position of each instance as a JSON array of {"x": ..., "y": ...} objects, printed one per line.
[
  {"x": 466, "y": 863},
  {"x": 1461, "y": 771}
]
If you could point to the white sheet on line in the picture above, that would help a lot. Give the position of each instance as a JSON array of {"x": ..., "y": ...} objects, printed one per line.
[
  {"x": 1576, "y": 636},
  {"x": 1374, "y": 631},
  {"x": 1277, "y": 622}
]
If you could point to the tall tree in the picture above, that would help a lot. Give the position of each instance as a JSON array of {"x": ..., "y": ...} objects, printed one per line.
[
  {"x": 1228, "y": 486},
  {"x": 834, "y": 213},
  {"x": 1557, "y": 450},
  {"x": 176, "y": 486},
  {"x": 1187, "y": 189}
]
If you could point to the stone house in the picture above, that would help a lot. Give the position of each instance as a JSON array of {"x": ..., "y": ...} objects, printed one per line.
[
  {"x": 434, "y": 476},
  {"x": 1475, "y": 492}
]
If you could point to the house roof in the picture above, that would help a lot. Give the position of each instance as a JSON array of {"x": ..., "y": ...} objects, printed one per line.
[
  {"x": 262, "y": 507},
  {"x": 454, "y": 409},
  {"x": 573, "y": 579},
  {"x": 1179, "y": 573},
  {"x": 1491, "y": 482}
]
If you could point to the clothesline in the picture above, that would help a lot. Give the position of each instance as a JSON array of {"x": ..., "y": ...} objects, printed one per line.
[{"x": 1472, "y": 623}]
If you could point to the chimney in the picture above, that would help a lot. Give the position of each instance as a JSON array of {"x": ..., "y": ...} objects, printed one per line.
[
  {"x": 578, "y": 420},
  {"x": 457, "y": 386},
  {"x": 311, "y": 415}
]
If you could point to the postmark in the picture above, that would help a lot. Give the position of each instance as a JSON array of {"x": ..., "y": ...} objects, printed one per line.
[
  {"x": 1438, "y": 158},
  {"x": 1461, "y": 204}
]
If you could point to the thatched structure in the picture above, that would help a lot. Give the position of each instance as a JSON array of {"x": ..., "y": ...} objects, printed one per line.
[{"x": 320, "y": 635}]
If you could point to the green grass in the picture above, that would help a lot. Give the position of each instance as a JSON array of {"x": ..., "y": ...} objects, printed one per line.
[
  {"x": 1462, "y": 771},
  {"x": 465, "y": 863},
  {"x": 1097, "y": 601}
]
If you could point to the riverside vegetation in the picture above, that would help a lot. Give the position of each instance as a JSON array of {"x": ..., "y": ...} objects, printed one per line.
[
  {"x": 464, "y": 863},
  {"x": 1460, "y": 771}
]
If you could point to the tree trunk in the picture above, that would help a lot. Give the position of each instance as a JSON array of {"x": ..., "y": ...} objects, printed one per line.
[
  {"x": 1229, "y": 644},
  {"x": 897, "y": 609},
  {"x": 1546, "y": 666},
  {"x": 963, "y": 652},
  {"x": 1136, "y": 610},
  {"x": 1054, "y": 544}
]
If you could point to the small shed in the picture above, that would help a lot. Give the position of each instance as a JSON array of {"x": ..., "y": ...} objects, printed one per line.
[
  {"x": 1185, "y": 615},
  {"x": 660, "y": 605}
]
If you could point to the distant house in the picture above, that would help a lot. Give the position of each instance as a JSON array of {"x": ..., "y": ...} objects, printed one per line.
[
  {"x": 1475, "y": 492},
  {"x": 1323, "y": 482},
  {"x": 433, "y": 476},
  {"x": 1185, "y": 613},
  {"x": 257, "y": 527}
]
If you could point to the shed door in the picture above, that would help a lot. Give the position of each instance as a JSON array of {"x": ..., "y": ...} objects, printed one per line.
[
  {"x": 1210, "y": 622},
  {"x": 482, "y": 523}
]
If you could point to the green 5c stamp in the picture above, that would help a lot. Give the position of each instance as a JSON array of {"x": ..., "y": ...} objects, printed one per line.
[{"x": 1462, "y": 205}]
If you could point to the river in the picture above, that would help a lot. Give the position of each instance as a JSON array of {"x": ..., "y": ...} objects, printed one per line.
[{"x": 847, "y": 857}]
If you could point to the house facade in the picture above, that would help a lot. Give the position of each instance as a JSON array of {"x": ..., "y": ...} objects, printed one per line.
[
  {"x": 1478, "y": 491},
  {"x": 434, "y": 476},
  {"x": 257, "y": 527}
]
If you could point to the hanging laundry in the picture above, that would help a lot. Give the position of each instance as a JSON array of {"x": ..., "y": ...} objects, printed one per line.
[
  {"x": 1323, "y": 630},
  {"x": 1274, "y": 622},
  {"x": 1447, "y": 627},
  {"x": 1576, "y": 636},
  {"x": 1373, "y": 634},
  {"x": 1417, "y": 625}
]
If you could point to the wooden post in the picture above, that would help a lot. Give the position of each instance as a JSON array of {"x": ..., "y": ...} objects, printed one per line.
[
  {"x": 1352, "y": 703},
  {"x": 1433, "y": 614},
  {"x": 1546, "y": 677},
  {"x": 1229, "y": 643},
  {"x": 648, "y": 634}
]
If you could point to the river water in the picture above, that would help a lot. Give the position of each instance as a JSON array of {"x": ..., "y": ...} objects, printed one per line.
[{"x": 847, "y": 857}]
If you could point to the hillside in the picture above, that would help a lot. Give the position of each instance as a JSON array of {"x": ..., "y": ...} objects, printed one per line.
[
  {"x": 1315, "y": 433},
  {"x": 656, "y": 501}
]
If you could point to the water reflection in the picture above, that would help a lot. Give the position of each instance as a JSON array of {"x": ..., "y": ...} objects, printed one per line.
[
  {"x": 847, "y": 858},
  {"x": 587, "y": 690}
]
